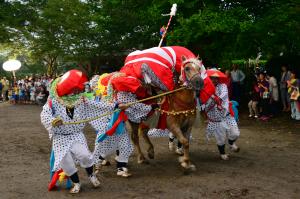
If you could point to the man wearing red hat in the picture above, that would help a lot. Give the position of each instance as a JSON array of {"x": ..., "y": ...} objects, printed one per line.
[
  {"x": 67, "y": 103},
  {"x": 221, "y": 122}
]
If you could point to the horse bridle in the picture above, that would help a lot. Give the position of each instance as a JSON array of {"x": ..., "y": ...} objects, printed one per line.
[{"x": 189, "y": 80}]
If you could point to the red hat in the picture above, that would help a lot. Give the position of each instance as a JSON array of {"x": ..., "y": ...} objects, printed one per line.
[
  {"x": 216, "y": 73},
  {"x": 73, "y": 79}
]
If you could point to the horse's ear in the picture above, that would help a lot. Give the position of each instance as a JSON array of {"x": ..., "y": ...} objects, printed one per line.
[
  {"x": 183, "y": 58},
  {"x": 180, "y": 78}
]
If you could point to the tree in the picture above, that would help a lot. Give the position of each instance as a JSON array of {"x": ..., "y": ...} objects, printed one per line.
[
  {"x": 224, "y": 30},
  {"x": 94, "y": 33}
]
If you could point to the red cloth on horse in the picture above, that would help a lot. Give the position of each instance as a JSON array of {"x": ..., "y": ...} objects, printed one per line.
[
  {"x": 126, "y": 84},
  {"x": 161, "y": 61},
  {"x": 129, "y": 84},
  {"x": 162, "y": 122},
  {"x": 181, "y": 52},
  {"x": 105, "y": 80}
]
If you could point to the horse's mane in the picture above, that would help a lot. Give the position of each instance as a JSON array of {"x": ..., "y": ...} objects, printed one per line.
[{"x": 194, "y": 61}]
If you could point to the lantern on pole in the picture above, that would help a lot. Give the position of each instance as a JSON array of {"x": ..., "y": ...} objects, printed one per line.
[{"x": 12, "y": 66}]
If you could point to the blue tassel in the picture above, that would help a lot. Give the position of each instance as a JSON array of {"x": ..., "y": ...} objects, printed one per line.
[
  {"x": 235, "y": 104},
  {"x": 51, "y": 164},
  {"x": 119, "y": 129}
]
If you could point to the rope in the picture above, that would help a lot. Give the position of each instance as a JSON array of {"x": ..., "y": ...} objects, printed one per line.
[{"x": 128, "y": 104}]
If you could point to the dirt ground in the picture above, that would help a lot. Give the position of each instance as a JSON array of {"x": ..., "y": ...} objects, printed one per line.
[{"x": 268, "y": 165}]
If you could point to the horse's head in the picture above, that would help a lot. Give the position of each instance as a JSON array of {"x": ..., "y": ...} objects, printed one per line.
[{"x": 191, "y": 73}]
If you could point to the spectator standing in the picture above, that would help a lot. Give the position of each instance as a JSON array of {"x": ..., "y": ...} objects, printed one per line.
[
  {"x": 285, "y": 77},
  {"x": 254, "y": 99},
  {"x": 1, "y": 86},
  {"x": 293, "y": 90},
  {"x": 274, "y": 93},
  {"x": 42, "y": 95},
  {"x": 32, "y": 93},
  {"x": 16, "y": 93},
  {"x": 21, "y": 93},
  {"x": 5, "y": 86},
  {"x": 238, "y": 78},
  {"x": 264, "y": 94}
]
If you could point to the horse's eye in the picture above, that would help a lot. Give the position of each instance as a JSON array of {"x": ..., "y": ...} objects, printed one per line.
[{"x": 187, "y": 68}]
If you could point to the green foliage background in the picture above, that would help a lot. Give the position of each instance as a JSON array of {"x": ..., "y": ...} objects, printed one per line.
[{"x": 50, "y": 35}]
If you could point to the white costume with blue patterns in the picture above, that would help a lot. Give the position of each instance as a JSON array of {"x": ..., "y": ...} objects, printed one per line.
[
  {"x": 221, "y": 123},
  {"x": 121, "y": 142},
  {"x": 65, "y": 136}
]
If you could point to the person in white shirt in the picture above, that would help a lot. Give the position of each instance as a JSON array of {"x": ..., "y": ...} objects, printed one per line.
[
  {"x": 238, "y": 78},
  {"x": 274, "y": 93}
]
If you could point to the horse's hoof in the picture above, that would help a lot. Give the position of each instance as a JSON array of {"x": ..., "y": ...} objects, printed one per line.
[
  {"x": 171, "y": 146},
  {"x": 188, "y": 166},
  {"x": 184, "y": 165},
  {"x": 140, "y": 161},
  {"x": 192, "y": 167},
  {"x": 234, "y": 148},
  {"x": 105, "y": 163},
  {"x": 151, "y": 155},
  {"x": 143, "y": 161},
  {"x": 179, "y": 151},
  {"x": 181, "y": 159},
  {"x": 224, "y": 157}
]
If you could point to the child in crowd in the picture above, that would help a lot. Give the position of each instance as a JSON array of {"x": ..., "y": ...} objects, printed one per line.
[
  {"x": 264, "y": 94},
  {"x": 253, "y": 103},
  {"x": 10, "y": 96},
  {"x": 16, "y": 93},
  {"x": 21, "y": 94},
  {"x": 32, "y": 94}
]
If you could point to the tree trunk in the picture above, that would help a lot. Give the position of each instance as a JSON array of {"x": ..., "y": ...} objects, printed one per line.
[{"x": 51, "y": 65}]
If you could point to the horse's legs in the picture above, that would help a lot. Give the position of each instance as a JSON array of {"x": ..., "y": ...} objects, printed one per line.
[
  {"x": 187, "y": 134},
  {"x": 132, "y": 128},
  {"x": 175, "y": 129},
  {"x": 150, "y": 149}
]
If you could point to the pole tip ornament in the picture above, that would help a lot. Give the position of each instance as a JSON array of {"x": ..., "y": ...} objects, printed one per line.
[{"x": 173, "y": 9}]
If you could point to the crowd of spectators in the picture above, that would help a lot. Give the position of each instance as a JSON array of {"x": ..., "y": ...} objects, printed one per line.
[
  {"x": 28, "y": 90},
  {"x": 266, "y": 92}
]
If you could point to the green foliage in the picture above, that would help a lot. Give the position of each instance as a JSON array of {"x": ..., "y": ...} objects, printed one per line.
[{"x": 49, "y": 34}]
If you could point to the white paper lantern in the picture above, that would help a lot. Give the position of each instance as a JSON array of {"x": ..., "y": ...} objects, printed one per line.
[{"x": 11, "y": 65}]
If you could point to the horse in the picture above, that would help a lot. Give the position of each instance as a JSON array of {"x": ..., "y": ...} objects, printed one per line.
[{"x": 181, "y": 113}]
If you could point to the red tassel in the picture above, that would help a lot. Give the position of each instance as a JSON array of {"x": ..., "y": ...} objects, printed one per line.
[
  {"x": 162, "y": 122},
  {"x": 122, "y": 117},
  {"x": 231, "y": 109},
  {"x": 54, "y": 179}
]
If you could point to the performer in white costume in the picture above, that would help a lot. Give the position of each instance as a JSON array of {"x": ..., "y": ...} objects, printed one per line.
[
  {"x": 221, "y": 123},
  {"x": 66, "y": 103},
  {"x": 119, "y": 142}
]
